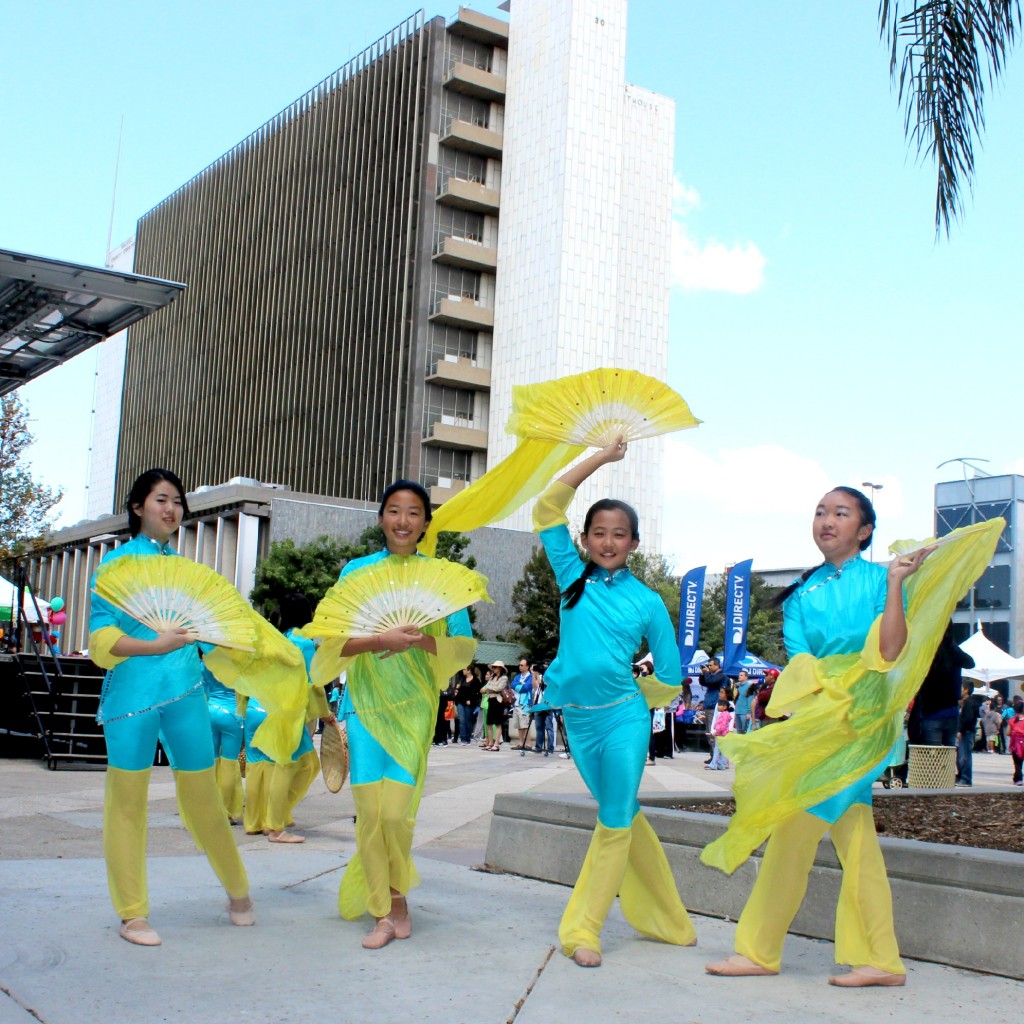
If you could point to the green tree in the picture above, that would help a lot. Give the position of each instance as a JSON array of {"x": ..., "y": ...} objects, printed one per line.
[
  {"x": 311, "y": 569},
  {"x": 764, "y": 623},
  {"x": 535, "y": 600},
  {"x": 25, "y": 505},
  {"x": 949, "y": 49}
]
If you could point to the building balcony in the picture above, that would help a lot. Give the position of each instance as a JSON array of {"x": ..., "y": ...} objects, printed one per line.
[
  {"x": 468, "y": 195},
  {"x": 462, "y": 312},
  {"x": 473, "y": 138},
  {"x": 461, "y": 374},
  {"x": 440, "y": 493},
  {"x": 482, "y": 27},
  {"x": 470, "y": 255},
  {"x": 453, "y": 435},
  {"x": 474, "y": 81}
]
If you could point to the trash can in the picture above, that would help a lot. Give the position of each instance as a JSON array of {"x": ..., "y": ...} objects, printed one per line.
[{"x": 931, "y": 767}]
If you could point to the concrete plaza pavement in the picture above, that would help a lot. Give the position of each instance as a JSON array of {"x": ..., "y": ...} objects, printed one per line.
[{"x": 484, "y": 948}]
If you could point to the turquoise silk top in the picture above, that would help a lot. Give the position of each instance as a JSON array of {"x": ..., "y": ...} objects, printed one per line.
[
  {"x": 140, "y": 684},
  {"x": 600, "y": 635},
  {"x": 831, "y": 612}
]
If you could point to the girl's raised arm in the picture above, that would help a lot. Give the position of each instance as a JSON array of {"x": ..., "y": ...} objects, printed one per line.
[{"x": 575, "y": 475}]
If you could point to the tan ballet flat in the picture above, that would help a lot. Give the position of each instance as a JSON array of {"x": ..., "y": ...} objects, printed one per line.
[
  {"x": 383, "y": 932},
  {"x": 586, "y": 958},
  {"x": 241, "y": 912},
  {"x": 137, "y": 930},
  {"x": 868, "y": 977},
  {"x": 737, "y": 966}
]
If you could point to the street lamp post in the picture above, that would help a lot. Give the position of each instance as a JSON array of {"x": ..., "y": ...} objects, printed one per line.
[{"x": 872, "y": 488}]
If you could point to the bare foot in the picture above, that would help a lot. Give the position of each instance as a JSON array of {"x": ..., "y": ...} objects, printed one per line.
[
  {"x": 737, "y": 966},
  {"x": 587, "y": 958}
]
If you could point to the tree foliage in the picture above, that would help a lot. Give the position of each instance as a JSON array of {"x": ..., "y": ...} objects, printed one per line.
[
  {"x": 764, "y": 624},
  {"x": 312, "y": 569},
  {"x": 949, "y": 49},
  {"x": 25, "y": 505},
  {"x": 535, "y": 600}
]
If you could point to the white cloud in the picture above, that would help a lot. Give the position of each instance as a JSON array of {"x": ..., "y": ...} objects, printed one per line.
[
  {"x": 757, "y": 502},
  {"x": 699, "y": 265}
]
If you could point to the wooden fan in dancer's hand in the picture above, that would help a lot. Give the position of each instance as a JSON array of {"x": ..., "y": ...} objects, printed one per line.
[
  {"x": 334, "y": 756},
  {"x": 395, "y": 592},
  {"x": 594, "y": 408},
  {"x": 174, "y": 593}
]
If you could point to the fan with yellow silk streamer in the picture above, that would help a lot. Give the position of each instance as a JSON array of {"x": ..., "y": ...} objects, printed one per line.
[
  {"x": 555, "y": 422},
  {"x": 395, "y": 592},
  {"x": 176, "y": 593}
]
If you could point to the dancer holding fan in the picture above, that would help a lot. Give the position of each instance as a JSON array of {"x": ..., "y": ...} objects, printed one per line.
[
  {"x": 154, "y": 688},
  {"x": 606, "y": 613},
  {"x": 396, "y": 622}
]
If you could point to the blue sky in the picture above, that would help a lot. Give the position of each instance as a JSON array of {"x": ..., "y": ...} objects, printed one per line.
[{"x": 817, "y": 327}]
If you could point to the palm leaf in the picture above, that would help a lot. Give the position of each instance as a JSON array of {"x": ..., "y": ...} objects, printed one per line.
[
  {"x": 175, "y": 593},
  {"x": 593, "y": 408},
  {"x": 395, "y": 592},
  {"x": 946, "y": 46}
]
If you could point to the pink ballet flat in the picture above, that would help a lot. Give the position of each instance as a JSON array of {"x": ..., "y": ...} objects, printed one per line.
[
  {"x": 737, "y": 966},
  {"x": 868, "y": 977},
  {"x": 137, "y": 930}
]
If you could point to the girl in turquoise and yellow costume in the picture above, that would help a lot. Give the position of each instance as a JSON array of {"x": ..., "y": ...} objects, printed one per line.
[
  {"x": 389, "y": 709},
  {"x": 228, "y": 737},
  {"x": 606, "y": 613},
  {"x": 274, "y": 790},
  {"x": 859, "y": 647},
  {"x": 155, "y": 688}
]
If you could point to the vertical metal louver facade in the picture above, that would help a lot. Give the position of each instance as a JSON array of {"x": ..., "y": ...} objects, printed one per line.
[{"x": 292, "y": 356}]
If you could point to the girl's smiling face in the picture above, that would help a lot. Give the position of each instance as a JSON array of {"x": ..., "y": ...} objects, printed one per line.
[
  {"x": 403, "y": 520},
  {"x": 160, "y": 514},
  {"x": 610, "y": 540}
]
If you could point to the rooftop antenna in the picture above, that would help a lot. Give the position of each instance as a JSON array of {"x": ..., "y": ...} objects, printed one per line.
[{"x": 113, "y": 197}]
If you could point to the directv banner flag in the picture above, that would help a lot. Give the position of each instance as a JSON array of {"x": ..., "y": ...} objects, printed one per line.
[
  {"x": 737, "y": 609},
  {"x": 691, "y": 594}
]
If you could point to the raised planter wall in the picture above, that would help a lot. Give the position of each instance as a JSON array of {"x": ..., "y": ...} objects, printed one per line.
[{"x": 953, "y": 905}]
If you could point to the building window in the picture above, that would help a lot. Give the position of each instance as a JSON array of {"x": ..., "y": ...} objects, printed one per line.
[
  {"x": 444, "y": 466},
  {"x": 460, "y": 224},
  {"x": 451, "y": 406},
  {"x": 464, "y": 108},
  {"x": 456, "y": 163},
  {"x": 467, "y": 51},
  {"x": 450, "y": 344}
]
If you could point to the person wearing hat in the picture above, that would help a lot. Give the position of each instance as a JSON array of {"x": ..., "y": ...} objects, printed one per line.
[{"x": 495, "y": 705}]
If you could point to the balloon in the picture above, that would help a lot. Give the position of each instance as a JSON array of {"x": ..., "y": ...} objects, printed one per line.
[
  {"x": 58, "y": 618},
  {"x": 56, "y": 604}
]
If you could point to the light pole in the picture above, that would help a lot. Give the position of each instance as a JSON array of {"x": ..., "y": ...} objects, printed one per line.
[{"x": 872, "y": 488}]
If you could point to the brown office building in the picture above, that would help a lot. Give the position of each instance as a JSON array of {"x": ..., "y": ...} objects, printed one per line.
[{"x": 340, "y": 264}]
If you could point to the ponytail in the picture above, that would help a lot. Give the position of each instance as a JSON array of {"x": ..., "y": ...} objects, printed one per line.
[
  {"x": 780, "y": 598},
  {"x": 573, "y": 592}
]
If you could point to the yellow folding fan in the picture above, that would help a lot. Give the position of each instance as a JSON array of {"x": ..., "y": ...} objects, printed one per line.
[
  {"x": 176, "y": 593},
  {"x": 395, "y": 592},
  {"x": 555, "y": 422}
]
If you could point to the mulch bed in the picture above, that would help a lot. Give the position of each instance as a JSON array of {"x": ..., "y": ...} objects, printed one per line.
[{"x": 993, "y": 821}]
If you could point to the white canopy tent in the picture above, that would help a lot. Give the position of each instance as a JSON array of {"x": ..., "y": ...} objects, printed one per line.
[{"x": 990, "y": 662}]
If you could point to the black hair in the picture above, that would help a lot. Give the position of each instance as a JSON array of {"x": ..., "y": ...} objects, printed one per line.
[
  {"x": 141, "y": 490},
  {"x": 753, "y": 688},
  {"x": 294, "y": 612},
  {"x": 573, "y": 592},
  {"x": 407, "y": 485},
  {"x": 867, "y": 518}
]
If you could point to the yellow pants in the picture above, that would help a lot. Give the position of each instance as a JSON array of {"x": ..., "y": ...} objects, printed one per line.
[
  {"x": 124, "y": 835},
  {"x": 229, "y": 783},
  {"x": 864, "y": 934},
  {"x": 630, "y": 863},
  {"x": 274, "y": 790},
  {"x": 383, "y": 860}
]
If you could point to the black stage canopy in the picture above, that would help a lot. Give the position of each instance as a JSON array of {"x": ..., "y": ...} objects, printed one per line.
[{"x": 51, "y": 310}]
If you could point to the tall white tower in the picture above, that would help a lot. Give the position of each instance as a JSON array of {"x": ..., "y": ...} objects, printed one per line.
[{"x": 584, "y": 247}]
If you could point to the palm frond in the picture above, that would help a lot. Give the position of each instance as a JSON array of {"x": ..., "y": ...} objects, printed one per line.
[{"x": 949, "y": 49}]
